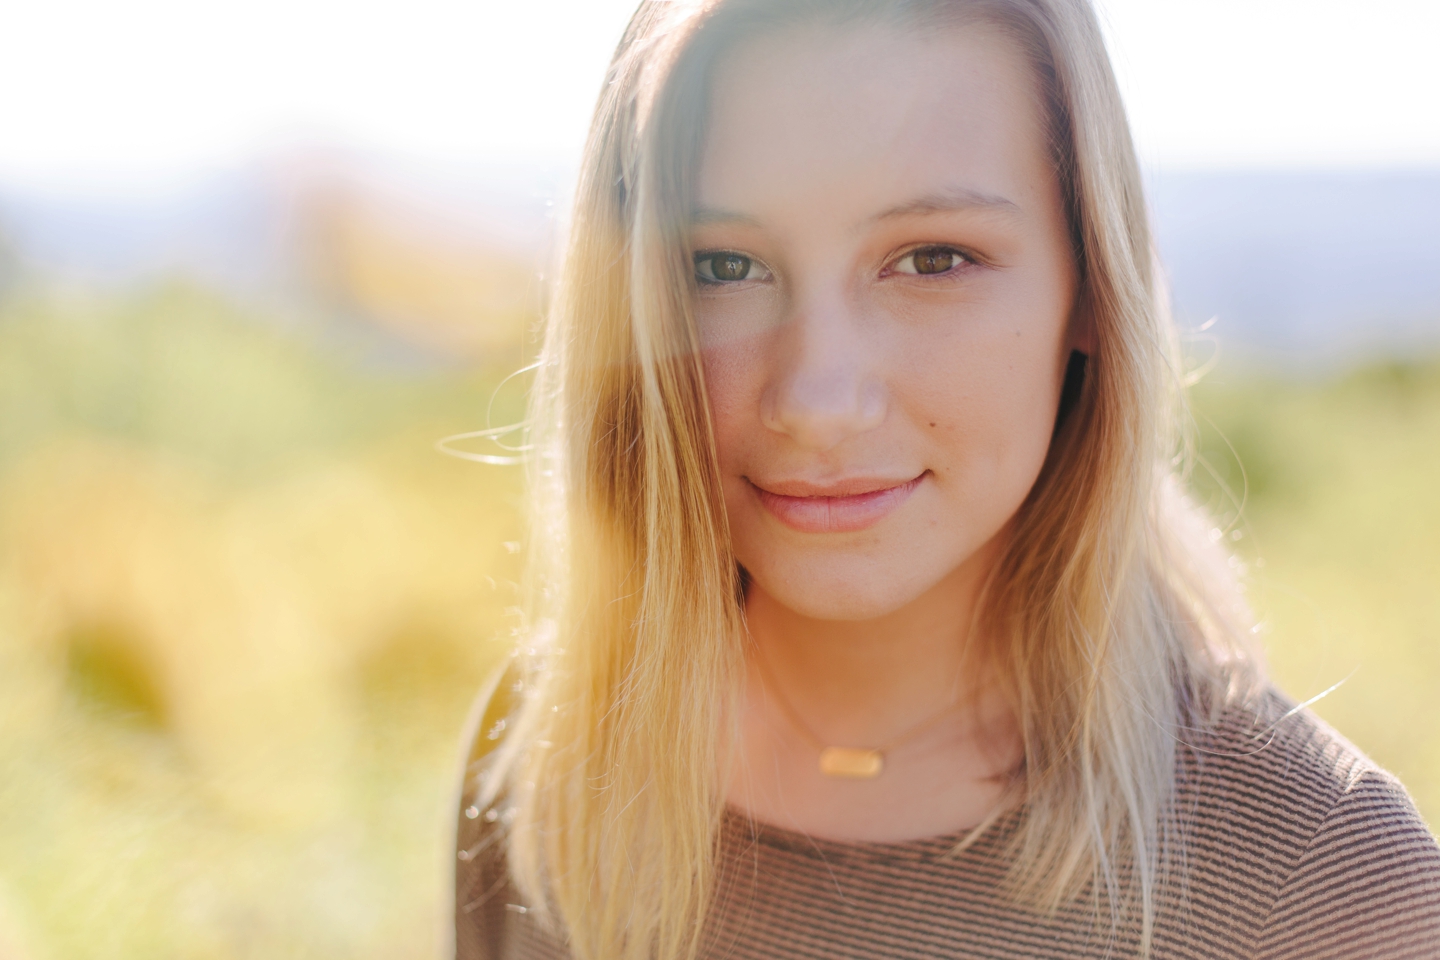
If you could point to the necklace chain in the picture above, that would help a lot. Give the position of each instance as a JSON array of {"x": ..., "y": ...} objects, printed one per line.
[{"x": 862, "y": 763}]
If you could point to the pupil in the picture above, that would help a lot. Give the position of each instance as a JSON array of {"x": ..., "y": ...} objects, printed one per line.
[
  {"x": 934, "y": 260},
  {"x": 728, "y": 266}
]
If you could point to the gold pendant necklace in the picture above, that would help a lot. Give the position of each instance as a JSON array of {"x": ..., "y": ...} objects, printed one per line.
[
  {"x": 855, "y": 763},
  {"x": 849, "y": 763}
]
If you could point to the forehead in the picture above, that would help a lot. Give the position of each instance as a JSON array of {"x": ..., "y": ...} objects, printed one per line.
[{"x": 864, "y": 115}]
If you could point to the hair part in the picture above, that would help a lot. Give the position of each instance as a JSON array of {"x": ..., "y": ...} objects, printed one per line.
[{"x": 1112, "y": 622}]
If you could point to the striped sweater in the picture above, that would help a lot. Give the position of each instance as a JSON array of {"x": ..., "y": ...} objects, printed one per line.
[{"x": 1298, "y": 848}]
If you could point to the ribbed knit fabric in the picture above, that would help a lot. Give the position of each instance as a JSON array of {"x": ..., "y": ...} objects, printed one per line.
[{"x": 1297, "y": 848}]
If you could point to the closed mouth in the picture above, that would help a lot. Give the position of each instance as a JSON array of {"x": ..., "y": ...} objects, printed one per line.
[{"x": 840, "y": 507}]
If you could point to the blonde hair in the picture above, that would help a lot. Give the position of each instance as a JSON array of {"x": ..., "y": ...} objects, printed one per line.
[{"x": 1113, "y": 623}]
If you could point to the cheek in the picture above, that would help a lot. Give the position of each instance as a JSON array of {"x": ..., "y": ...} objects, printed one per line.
[
  {"x": 987, "y": 401},
  {"x": 736, "y": 336},
  {"x": 1005, "y": 396},
  {"x": 733, "y": 385}
]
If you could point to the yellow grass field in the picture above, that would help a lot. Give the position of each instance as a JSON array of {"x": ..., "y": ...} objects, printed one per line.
[{"x": 244, "y": 604}]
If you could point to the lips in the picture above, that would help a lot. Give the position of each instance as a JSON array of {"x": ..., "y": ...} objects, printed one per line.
[{"x": 841, "y": 507}]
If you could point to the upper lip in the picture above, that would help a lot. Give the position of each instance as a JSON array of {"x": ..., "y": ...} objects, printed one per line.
[{"x": 842, "y": 487}]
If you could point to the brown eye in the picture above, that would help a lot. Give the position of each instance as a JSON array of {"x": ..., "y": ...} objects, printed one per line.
[
  {"x": 933, "y": 260},
  {"x": 730, "y": 267},
  {"x": 725, "y": 267},
  {"x": 930, "y": 261},
  {"x": 722, "y": 267}
]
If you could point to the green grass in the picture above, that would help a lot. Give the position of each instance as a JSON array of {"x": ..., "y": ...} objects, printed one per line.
[
  {"x": 1341, "y": 528},
  {"x": 244, "y": 604}
]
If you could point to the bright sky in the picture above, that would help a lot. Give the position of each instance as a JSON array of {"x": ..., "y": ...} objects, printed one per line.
[{"x": 96, "y": 93}]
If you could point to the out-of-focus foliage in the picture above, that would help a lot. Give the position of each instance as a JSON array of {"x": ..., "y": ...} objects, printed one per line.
[
  {"x": 1341, "y": 534},
  {"x": 244, "y": 605},
  {"x": 416, "y": 273},
  {"x": 243, "y": 608}
]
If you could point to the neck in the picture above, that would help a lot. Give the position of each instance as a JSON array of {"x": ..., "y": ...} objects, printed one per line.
[{"x": 861, "y": 682}]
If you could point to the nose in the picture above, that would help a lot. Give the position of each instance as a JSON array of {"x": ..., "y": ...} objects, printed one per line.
[{"x": 825, "y": 385}]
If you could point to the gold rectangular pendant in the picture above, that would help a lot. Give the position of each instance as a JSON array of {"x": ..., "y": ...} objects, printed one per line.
[{"x": 855, "y": 763}]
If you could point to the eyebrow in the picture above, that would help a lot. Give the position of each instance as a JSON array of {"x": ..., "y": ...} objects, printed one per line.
[
  {"x": 949, "y": 200},
  {"x": 704, "y": 215}
]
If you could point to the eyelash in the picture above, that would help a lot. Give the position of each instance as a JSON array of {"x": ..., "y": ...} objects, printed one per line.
[
  {"x": 891, "y": 268},
  {"x": 962, "y": 259},
  {"x": 709, "y": 256}
]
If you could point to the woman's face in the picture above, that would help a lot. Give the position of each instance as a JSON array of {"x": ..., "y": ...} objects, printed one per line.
[{"x": 885, "y": 290}]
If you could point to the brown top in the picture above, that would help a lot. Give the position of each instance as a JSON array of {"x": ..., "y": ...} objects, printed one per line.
[{"x": 1298, "y": 847}]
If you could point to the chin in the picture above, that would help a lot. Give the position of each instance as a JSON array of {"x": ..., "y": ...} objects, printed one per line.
[
  {"x": 843, "y": 605},
  {"x": 843, "y": 591}
]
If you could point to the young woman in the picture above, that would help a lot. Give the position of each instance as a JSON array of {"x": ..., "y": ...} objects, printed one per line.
[{"x": 869, "y": 619}]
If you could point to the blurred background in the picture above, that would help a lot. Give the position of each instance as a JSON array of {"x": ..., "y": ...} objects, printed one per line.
[{"x": 255, "y": 259}]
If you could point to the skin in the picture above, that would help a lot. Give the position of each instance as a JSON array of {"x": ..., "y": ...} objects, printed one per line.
[{"x": 837, "y": 366}]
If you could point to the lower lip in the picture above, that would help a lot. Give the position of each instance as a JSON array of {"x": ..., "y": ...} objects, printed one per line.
[{"x": 836, "y": 514}]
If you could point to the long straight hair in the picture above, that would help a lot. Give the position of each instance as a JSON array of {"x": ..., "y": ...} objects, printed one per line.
[{"x": 1113, "y": 623}]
